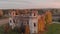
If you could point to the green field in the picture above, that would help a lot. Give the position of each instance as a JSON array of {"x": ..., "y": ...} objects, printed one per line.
[{"x": 52, "y": 29}]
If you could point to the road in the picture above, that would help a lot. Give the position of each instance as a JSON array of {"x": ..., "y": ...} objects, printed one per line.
[{"x": 3, "y": 21}]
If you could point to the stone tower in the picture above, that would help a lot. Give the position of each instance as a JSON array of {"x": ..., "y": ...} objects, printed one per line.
[{"x": 33, "y": 21}]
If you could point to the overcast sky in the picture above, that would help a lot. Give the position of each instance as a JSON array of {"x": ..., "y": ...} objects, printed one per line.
[{"x": 27, "y": 4}]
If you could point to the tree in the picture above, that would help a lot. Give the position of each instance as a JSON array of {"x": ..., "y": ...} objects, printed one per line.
[{"x": 1, "y": 13}]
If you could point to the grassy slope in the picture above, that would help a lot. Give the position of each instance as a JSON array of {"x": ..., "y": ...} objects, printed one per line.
[{"x": 52, "y": 29}]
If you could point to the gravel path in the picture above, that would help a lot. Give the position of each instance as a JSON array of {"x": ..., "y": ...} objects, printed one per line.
[{"x": 56, "y": 22}]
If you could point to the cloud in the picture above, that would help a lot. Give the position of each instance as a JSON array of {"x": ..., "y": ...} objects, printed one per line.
[{"x": 28, "y": 4}]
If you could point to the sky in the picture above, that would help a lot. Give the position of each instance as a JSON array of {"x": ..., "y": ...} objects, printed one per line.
[{"x": 28, "y": 4}]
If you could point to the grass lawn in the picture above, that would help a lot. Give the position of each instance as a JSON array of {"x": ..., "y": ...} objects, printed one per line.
[{"x": 52, "y": 29}]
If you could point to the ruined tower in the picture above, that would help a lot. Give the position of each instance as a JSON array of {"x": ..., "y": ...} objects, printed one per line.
[
  {"x": 33, "y": 21},
  {"x": 29, "y": 19}
]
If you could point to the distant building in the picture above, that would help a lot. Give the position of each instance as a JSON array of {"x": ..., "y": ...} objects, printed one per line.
[{"x": 56, "y": 15}]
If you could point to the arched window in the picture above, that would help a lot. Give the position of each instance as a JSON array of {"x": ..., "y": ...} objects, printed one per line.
[
  {"x": 34, "y": 25},
  {"x": 13, "y": 20},
  {"x": 34, "y": 14},
  {"x": 10, "y": 21}
]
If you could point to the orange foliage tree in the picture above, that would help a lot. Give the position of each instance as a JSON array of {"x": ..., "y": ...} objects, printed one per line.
[
  {"x": 41, "y": 24},
  {"x": 48, "y": 16}
]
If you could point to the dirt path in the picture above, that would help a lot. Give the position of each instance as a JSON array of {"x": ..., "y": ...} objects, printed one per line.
[{"x": 3, "y": 21}]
